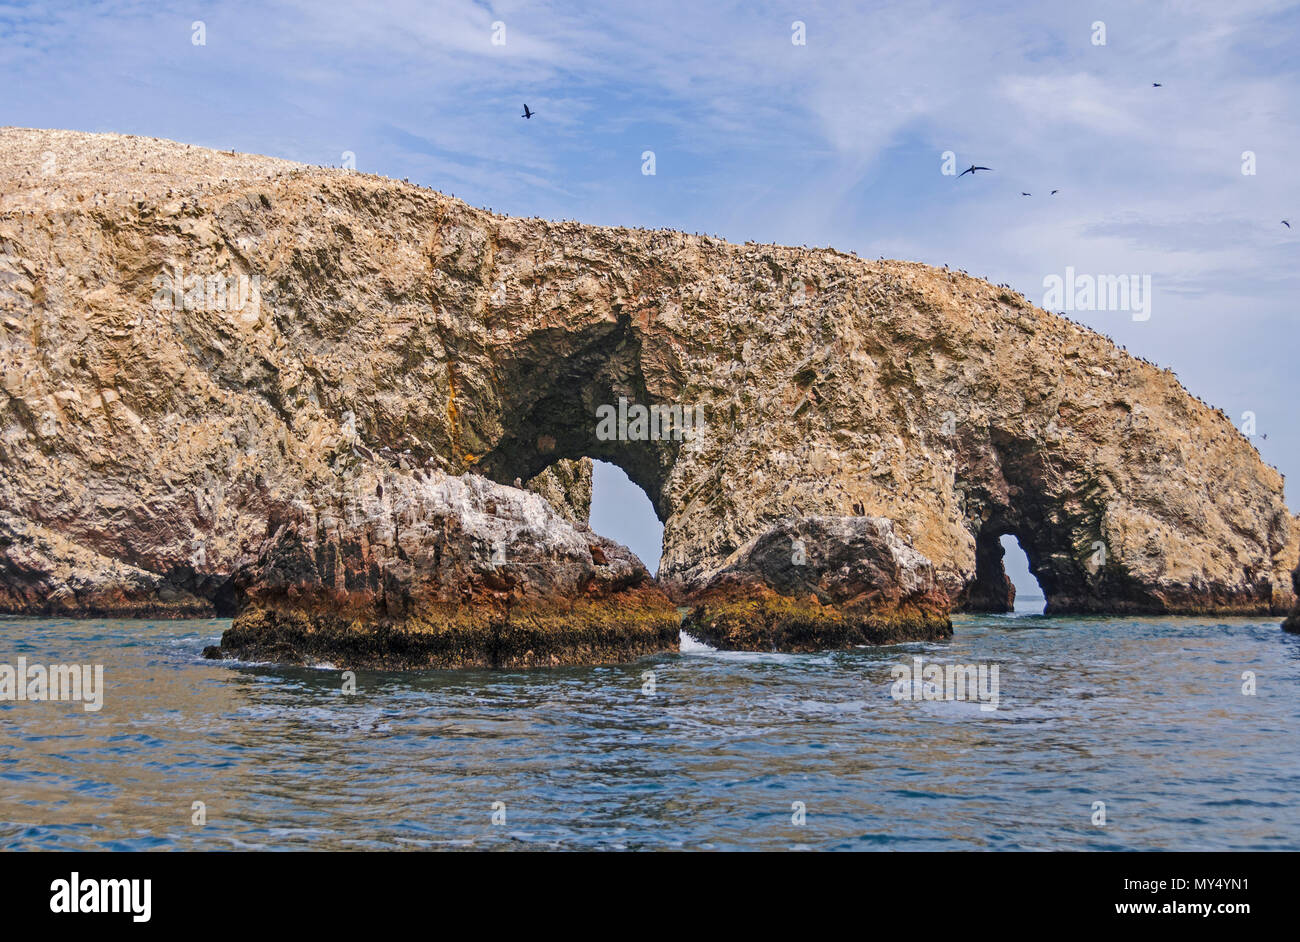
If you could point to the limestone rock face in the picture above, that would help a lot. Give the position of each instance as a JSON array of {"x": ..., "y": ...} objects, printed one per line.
[
  {"x": 190, "y": 339},
  {"x": 397, "y": 570}
]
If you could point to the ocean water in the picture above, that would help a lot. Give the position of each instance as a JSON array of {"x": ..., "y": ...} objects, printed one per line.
[{"x": 1144, "y": 714}]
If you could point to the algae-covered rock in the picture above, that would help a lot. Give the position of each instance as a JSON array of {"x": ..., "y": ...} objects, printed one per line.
[
  {"x": 813, "y": 583},
  {"x": 427, "y": 570}
]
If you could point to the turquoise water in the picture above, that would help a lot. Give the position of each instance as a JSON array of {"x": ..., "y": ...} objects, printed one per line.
[{"x": 1144, "y": 714}]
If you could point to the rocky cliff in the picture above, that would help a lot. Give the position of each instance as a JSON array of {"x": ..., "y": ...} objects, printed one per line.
[{"x": 190, "y": 339}]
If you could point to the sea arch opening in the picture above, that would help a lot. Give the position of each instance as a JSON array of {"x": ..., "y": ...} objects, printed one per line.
[
  {"x": 1029, "y": 597},
  {"x": 622, "y": 511},
  {"x": 1005, "y": 577},
  {"x": 567, "y": 395}
]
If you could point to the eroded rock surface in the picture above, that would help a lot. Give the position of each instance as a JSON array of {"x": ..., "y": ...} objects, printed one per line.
[
  {"x": 156, "y": 408},
  {"x": 566, "y": 486}
]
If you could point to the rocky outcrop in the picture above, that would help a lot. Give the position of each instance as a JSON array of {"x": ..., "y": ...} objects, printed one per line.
[
  {"x": 1292, "y": 622},
  {"x": 392, "y": 570},
  {"x": 992, "y": 589},
  {"x": 809, "y": 583},
  {"x": 189, "y": 339}
]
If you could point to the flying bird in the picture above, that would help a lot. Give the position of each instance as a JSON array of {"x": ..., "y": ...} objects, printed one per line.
[
  {"x": 1285, "y": 223},
  {"x": 527, "y": 113},
  {"x": 972, "y": 168},
  {"x": 1023, "y": 193},
  {"x": 1054, "y": 192},
  {"x": 1155, "y": 85}
]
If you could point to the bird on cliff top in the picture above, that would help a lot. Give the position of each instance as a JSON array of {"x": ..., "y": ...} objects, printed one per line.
[
  {"x": 527, "y": 112},
  {"x": 971, "y": 170}
]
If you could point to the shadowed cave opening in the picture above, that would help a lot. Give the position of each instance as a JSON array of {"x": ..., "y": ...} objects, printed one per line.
[{"x": 621, "y": 511}]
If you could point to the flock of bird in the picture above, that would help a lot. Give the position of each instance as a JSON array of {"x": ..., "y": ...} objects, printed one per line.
[{"x": 973, "y": 169}]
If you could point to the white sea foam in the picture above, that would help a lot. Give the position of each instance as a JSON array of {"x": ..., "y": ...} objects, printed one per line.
[{"x": 690, "y": 645}]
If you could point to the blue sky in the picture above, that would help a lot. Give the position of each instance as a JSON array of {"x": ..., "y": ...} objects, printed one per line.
[{"x": 835, "y": 142}]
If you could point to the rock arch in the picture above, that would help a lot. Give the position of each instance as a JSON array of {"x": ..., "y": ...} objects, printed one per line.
[{"x": 903, "y": 416}]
